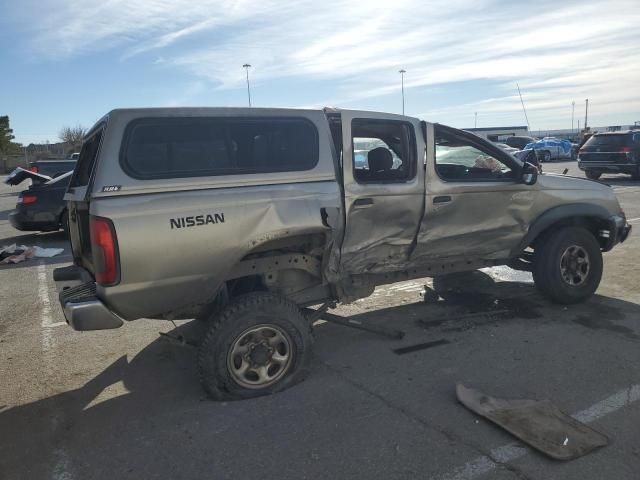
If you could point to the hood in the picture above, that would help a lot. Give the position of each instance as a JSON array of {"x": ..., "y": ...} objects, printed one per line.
[
  {"x": 566, "y": 189},
  {"x": 556, "y": 180}
]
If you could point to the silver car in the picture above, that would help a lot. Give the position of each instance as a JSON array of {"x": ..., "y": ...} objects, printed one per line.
[{"x": 249, "y": 217}]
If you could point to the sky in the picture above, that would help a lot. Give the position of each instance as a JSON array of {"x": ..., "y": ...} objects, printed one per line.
[{"x": 68, "y": 62}]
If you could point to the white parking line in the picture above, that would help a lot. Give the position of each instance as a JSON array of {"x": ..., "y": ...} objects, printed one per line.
[
  {"x": 48, "y": 342},
  {"x": 513, "y": 451},
  {"x": 62, "y": 467},
  {"x": 633, "y": 220}
]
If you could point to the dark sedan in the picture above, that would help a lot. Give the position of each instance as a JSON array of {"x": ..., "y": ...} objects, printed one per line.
[{"x": 41, "y": 207}]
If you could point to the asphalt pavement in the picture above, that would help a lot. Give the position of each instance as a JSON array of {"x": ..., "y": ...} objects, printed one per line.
[{"x": 127, "y": 404}]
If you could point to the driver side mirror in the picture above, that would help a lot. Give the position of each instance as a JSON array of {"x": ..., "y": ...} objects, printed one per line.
[{"x": 529, "y": 174}]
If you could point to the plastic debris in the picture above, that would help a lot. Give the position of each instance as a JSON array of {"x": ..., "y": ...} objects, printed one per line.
[{"x": 19, "y": 253}]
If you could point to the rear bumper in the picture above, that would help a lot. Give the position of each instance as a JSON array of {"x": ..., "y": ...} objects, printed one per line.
[
  {"x": 82, "y": 309},
  {"x": 608, "y": 166},
  {"x": 22, "y": 222}
]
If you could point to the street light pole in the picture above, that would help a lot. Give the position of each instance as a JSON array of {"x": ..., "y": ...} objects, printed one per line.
[
  {"x": 586, "y": 112},
  {"x": 573, "y": 107},
  {"x": 246, "y": 66},
  {"x": 402, "y": 72},
  {"x": 475, "y": 119}
]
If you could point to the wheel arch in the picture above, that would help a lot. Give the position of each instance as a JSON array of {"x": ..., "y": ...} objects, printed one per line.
[
  {"x": 280, "y": 264},
  {"x": 592, "y": 217}
]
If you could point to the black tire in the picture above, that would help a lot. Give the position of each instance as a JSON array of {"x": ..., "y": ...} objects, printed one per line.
[
  {"x": 546, "y": 156},
  {"x": 215, "y": 308},
  {"x": 64, "y": 222},
  {"x": 636, "y": 175},
  {"x": 260, "y": 310},
  {"x": 592, "y": 174},
  {"x": 547, "y": 270}
]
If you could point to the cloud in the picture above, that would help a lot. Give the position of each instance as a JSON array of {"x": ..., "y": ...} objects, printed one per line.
[{"x": 557, "y": 51}]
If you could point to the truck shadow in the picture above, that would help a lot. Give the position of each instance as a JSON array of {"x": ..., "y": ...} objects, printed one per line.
[{"x": 142, "y": 417}]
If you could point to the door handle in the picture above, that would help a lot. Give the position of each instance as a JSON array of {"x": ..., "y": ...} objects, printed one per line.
[
  {"x": 363, "y": 202},
  {"x": 441, "y": 199}
]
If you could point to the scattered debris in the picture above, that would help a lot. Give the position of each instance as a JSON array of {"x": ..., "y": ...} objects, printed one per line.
[
  {"x": 19, "y": 253},
  {"x": 420, "y": 346},
  {"x": 537, "y": 423},
  {"x": 465, "y": 321}
]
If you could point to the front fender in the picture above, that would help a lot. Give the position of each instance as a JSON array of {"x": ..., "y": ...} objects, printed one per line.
[{"x": 561, "y": 213}]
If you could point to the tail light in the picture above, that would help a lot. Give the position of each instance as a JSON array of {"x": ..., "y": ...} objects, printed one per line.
[
  {"x": 33, "y": 169},
  {"x": 104, "y": 248},
  {"x": 27, "y": 199},
  {"x": 625, "y": 149}
]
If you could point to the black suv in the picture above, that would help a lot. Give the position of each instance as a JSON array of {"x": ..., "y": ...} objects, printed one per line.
[{"x": 615, "y": 152}]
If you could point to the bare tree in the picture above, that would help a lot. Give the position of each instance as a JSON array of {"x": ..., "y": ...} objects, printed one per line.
[{"x": 73, "y": 135}]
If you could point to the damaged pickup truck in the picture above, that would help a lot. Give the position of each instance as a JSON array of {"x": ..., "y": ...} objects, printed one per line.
[{"x": 247, "y": 217}]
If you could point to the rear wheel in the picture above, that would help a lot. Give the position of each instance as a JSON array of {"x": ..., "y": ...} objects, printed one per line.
[
  {"x": 64, "y": 221},
  {"x": 593, "y": 174},
  {"x": 567, "y": 265},
  {"x": 260, "y": 344},
  {"x": 546, "y": 156}
]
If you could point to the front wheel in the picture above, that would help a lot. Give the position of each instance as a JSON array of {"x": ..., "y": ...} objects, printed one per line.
[
  {"x": 593, "y": 174},
  {"x": 546, "y": 156},
  {"x": 260, "y": 344},
  {"x": 567, "y": 265}
]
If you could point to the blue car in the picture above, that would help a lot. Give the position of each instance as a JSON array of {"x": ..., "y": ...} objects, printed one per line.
[{"x": 549, "y": 149}]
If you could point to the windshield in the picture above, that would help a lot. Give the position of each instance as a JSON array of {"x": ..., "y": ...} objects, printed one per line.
[{"x": 606, "y": 140}]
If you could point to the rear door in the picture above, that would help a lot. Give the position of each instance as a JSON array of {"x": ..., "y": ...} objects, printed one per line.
[
  {"x": 383, "y": 160},
  {"x": 77, "y": 198}
]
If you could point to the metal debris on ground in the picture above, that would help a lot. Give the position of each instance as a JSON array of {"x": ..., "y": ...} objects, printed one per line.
[
  {"x": 350, "y": 322},
  {"x": 537, "y": 423},
  {"x": 420, "y": 346},
  {"x": 19, "y": 253}
]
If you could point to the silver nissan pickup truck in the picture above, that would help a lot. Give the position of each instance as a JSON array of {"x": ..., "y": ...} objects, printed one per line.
[{"x": 248, "y": 217}]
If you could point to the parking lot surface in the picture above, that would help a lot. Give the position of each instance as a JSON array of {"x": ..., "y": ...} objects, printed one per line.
[{"x": 126, "y": 403}]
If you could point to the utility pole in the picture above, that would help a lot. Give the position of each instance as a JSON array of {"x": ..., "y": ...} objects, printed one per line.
[
  {"x": 246, "y": 66},
  {"x": 402, "y": 72},
  {"x": 523, "y": 109},
  {"x": 586, "y": 112},
  {"x": 573, "y": 107},
  {"x": 475, "y": 120}
]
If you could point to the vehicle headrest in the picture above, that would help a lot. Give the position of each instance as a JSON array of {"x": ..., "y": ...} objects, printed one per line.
[{"x": 380, "y": 159}]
